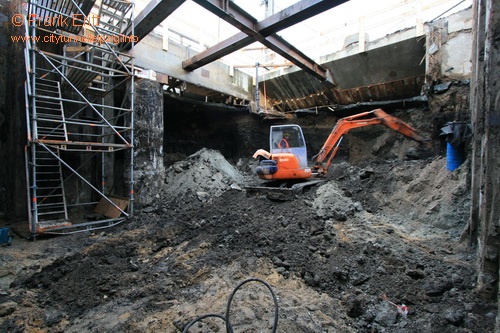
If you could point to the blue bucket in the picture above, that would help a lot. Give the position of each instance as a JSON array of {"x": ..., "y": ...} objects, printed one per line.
[{"x": 454, "y": 156}]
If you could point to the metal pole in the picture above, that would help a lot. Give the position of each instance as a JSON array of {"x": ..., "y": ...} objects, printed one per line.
[
  {"x": 132, "y": 101},
  {"x": 34, "y": 135},
  {"x": 257, "y": 97},
  {"x": 103, "y": 155}
]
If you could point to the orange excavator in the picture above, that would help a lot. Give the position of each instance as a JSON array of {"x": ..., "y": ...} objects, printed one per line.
[{"x": 287, "y": 159}]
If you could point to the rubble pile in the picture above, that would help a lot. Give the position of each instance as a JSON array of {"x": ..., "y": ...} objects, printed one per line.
[{"x": 204, "y": 175}]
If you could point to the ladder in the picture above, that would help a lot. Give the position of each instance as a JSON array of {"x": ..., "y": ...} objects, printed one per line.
[
  {"x": 49, "y": 200},
  {"x": 50, "y": 122}
]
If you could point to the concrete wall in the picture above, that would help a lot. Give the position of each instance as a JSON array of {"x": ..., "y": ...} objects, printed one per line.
[
  {"x": 13, "y": 138},
  {"x": 457, "y": 51},
  {"x": 452, "y": 38},
  {"x": 485, "y": 105}
]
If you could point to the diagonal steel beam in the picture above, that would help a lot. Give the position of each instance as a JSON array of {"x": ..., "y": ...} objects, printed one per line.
[
  {"x": 151, "y": 16},
  {"x": 263, "y": 32},
  {"x": 294, "y": 14},
  {"x": 234, "y": 43}
]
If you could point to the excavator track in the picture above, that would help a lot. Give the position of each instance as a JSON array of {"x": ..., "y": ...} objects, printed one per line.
[{"x": 285, "y": 192}]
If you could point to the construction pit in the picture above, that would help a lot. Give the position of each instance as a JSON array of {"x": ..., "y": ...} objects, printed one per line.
[
  {"x": 391, "y": 240},
  {"x": 380, "y": 246}
]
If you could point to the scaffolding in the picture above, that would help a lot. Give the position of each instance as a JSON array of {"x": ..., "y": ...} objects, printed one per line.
[{"x": 79, "y": 114}]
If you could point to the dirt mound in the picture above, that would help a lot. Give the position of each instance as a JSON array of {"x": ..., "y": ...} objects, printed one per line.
[
  {"x": 342, "y": 257},
  {"x": 418, "y": 195},
  {"x": 205, "y": 174},
  {"x": 330, "y": 202}
]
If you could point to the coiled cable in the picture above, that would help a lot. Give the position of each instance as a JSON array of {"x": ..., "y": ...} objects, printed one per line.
[{"x": 226, "y": 319}]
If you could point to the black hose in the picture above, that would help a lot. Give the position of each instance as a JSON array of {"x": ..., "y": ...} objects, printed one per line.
[{"x": 229, "y": 328}]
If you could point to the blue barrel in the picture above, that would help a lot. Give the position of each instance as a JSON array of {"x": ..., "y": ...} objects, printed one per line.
[
  {"x": 5, "y": 238},
  {"x": 454, "y": 156}
]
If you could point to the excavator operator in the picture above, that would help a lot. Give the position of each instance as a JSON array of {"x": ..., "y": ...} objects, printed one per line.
[{"x": 284, "y": 141}]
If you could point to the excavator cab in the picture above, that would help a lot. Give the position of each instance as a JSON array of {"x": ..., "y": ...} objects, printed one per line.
[{"x": 294, "y": 139}]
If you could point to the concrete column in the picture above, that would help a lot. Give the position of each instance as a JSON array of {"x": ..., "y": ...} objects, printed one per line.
[
  {"x": 149, "y": 170},
  {"x": 362, "y": 36},
  {"x": 419, "y": 24},
  {"x": 269, "y": 8},
  {"x": 485, "y": 106},
  {"x": 165, "y": 36}
]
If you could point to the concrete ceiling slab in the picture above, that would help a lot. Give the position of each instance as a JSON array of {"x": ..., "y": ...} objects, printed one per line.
[{"x": 390, "y": 72}]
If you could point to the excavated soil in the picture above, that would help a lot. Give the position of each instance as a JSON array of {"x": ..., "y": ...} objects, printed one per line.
[{"x": 343, "y": 256}]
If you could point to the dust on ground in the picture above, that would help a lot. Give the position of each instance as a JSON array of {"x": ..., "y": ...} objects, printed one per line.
[{"x": 344, "y": 256}]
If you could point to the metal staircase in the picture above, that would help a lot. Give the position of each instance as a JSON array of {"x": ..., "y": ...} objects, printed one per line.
[
  {"x": 76, "y": 122},
  {"x": 112, "y": 17}
]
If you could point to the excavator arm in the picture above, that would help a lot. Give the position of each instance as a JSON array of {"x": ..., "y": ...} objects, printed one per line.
[{"x": 324, "y": 158}]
